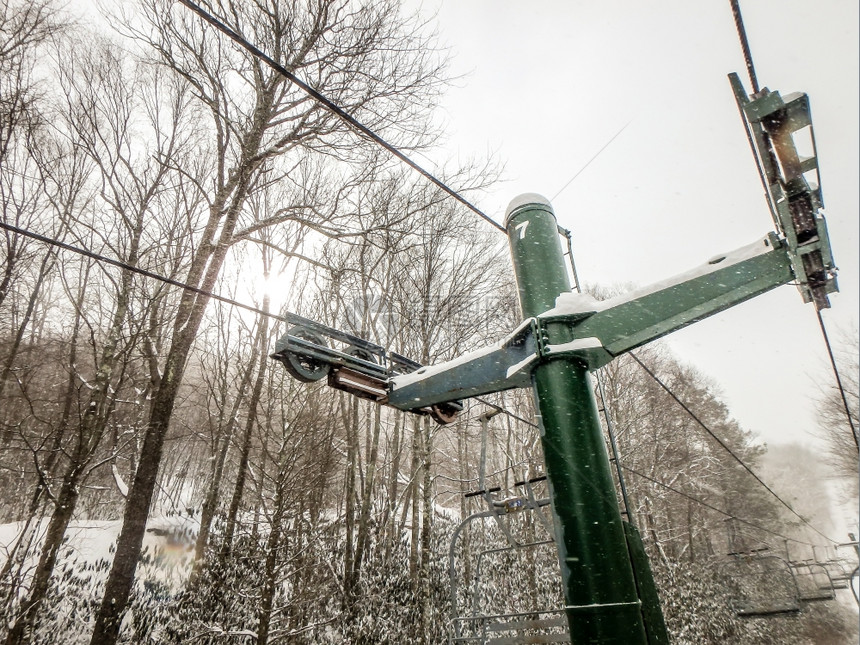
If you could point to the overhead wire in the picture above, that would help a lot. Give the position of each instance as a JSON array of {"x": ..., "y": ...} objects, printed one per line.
[
  {"x": 745, "y": 46},
  {"x": 838, "y": 379},
  {"x": 507, "y": 412},
  {"x": 714, "y": 508},
  {"x": 182, "y": 285},
  {"x": 720, "y": 441},
  {"x": 230, "y": 301},
  {"x": 335, "y": 109},
  {"x": 724, "y": 445},
  {"x": 588, "y": 163},
  {"x": 668, "y": 487},
  {"x": 134, "y": 269}
]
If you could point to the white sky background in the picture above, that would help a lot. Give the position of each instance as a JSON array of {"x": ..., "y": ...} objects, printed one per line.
[{"x": 548, "y": 83}]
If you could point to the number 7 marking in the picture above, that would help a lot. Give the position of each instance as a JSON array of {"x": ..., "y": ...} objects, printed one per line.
[{"x": 522, "y": 228}]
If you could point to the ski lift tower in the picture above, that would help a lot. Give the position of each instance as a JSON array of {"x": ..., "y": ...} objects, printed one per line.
[{"x": 609, "y": 591}]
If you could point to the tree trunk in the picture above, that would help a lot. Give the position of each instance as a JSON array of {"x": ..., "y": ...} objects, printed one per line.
[
  {"x": 66, "y": 502},
  {"x": 213, "y": 494},
  {"x": 652, "y": 529},
  {"x": 92, "y": 429},
  {"x": 391, "y": 507},
  {"x": 18, "y": 553},
  {"x": 139, "y": 498},
  {"x": 367, "y": 496},
  {"x": 206, "y": 265},
  {"x": 463, "y": 465},
  {"x": 414, "y": 488},
  {"x": 349, "y": 503},
  {"x": 426, "y": 523},
  {"x": 238, "y": 490},
  {"x": 273, "y": 543},
  {"x": 46, "y": 266},
  {"x": 207, "y": 513}
]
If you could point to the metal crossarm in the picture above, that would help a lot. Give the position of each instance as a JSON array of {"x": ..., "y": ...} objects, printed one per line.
[
  {"x": 502, "y": 366},
  {"x": 608, "y": 586},
  {"x": 578, "y": 326},
  {"x": 596, "y": 332}
]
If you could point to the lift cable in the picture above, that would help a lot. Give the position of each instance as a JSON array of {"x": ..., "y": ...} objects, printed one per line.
[
  {"x": 726, "y": 447},
  {"x": 714, "y": 508},
  {"x": 534, "y": 425},
  {"x": 335, "y": 109},
  {"x": 129, "y": 267},
  {"x": 504, "y": 411},
  {"x": 176, "y": 283},
  {"x": 838, "y": 380},
  {"x": 745, "y": 45},
  {"x": 182, "y": 285},
  {"x": 588, "y": 163},
  {"x": 666, "y": 486},
  {"x": 742, "y": 36}
]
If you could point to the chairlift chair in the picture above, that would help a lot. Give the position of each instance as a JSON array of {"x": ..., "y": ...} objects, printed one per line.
[
  {"x": 470, "y": 621},
  {"x": 762, "y": 585},
  {"x": 840, "y": 573},
  {"x": 813, "y": 582}
]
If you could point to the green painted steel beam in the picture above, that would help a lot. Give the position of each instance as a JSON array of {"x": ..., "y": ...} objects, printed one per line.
[
  {"x": 644, "y": 315},
  {"x": 595, "y": 332},
  {"x": 501, "y": 366},
  {"x": 602, "y": 603}
]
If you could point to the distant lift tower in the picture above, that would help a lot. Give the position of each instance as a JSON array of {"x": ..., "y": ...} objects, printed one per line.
[{"x": 609, "y": 592}]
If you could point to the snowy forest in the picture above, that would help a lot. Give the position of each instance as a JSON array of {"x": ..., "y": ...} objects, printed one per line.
[{"x": 165, "y": 481}]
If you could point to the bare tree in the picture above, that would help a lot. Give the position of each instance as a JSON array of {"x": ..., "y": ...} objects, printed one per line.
[
  {"x": 25, "y": 28},
  {"x": 100, "y": 115},
  {"x": 367, "y": 58},
  {"x": 833, "y": 421}
]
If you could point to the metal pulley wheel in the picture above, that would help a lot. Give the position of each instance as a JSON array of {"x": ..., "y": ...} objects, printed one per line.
[
  {"x": 361, "y": 353},
  {"x": 444, "y": 413},
  {"x": 303, "y": 367}
]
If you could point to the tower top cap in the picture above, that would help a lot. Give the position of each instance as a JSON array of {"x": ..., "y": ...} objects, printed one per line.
[{"x": 527, "y": 199}]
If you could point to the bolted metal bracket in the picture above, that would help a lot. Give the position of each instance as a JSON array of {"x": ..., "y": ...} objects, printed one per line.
[{"x": 776, "y": 125}]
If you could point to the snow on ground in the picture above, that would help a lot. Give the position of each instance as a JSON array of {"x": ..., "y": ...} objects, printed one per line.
[{"x": 169, "y": 541}]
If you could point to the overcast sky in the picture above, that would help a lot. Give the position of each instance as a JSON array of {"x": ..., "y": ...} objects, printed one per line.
[
  {"x": 549, "y": 83},
  {"x": 546, "y": 83}
]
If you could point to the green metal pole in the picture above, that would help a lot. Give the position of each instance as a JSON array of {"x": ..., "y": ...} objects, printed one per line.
[{"x": 599, "y": 586}]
